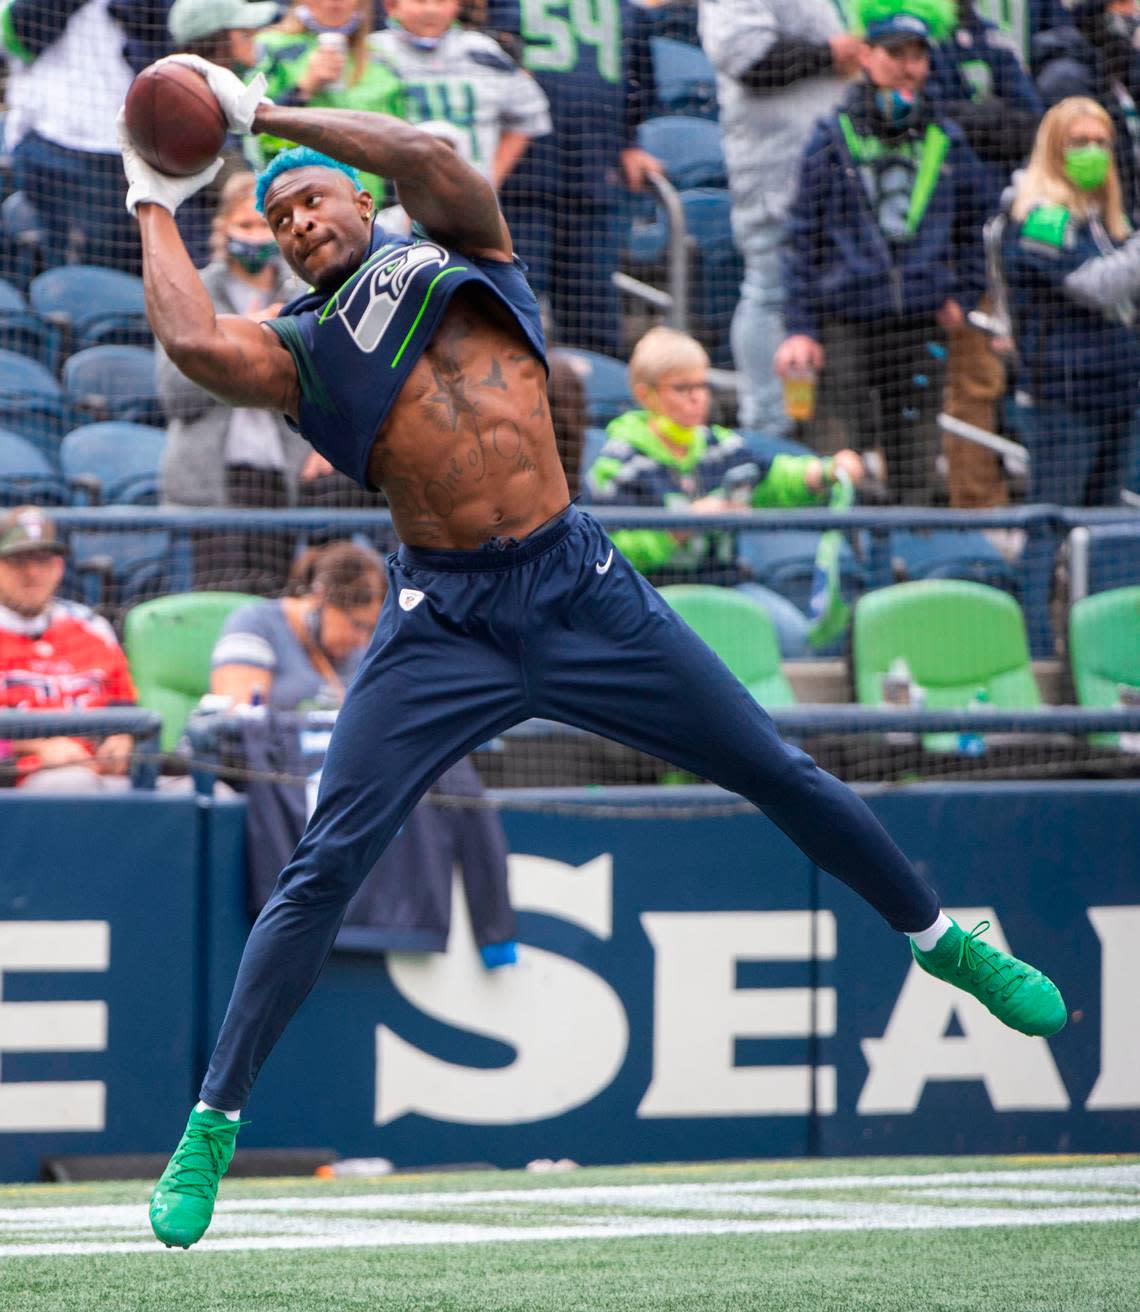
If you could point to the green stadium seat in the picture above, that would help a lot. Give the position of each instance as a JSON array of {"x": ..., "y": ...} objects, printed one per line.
[
  {"x": 168, "y": 643},
  {"x": 955, "y": 636},
  {"x": 1104, "y": 645},
  {"x": 742, "y": 635}
]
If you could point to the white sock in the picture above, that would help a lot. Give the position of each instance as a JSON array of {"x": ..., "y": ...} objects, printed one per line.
[
  {"x": 230, "y": 1116},
  {"x": 925, "y": 939}
]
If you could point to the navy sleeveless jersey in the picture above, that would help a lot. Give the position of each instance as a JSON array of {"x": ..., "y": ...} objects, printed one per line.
[{"x": 354, "y": 349}]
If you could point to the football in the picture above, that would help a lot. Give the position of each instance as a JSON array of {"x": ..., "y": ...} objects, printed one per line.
[{"x": 174, "y": 119}]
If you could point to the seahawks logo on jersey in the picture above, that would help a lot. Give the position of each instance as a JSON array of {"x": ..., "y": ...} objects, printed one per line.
[{"x": 378, "y": 294}]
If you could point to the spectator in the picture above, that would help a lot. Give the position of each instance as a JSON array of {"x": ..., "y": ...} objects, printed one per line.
[
  {"x": 977, "y": 78},
  {"x": 221, "y": 31},
  {"x": 67, "y": 78},
  {"x": 563, "y": 200},
  {"x": 319, "y": 55},
  {"x": 780, "y": 64},
  {"x": 451, "y": 74},
  {"x": 1073, "y": 275},
  {"x": 1095, "y": 55},
  {"x": 55, "y": 655},
  {"x": 666, "y": 454},
  {"x": 884, "y": 250},
  {"x": 300, "y": 653},
  {"x": 219, "y": 456}
]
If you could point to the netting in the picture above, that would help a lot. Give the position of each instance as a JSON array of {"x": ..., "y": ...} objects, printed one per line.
[{"x": 889, "y": 455}]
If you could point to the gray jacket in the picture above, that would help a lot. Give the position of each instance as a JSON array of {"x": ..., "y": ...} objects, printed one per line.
[
  {"x": 765, "y": 132},
  {"x": 194, "y": 461}
]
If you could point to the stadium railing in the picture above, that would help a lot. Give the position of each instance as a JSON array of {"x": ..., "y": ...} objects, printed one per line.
[{"x": 144, "y": 726}]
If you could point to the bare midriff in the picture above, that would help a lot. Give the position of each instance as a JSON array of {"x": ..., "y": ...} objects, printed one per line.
[{"x": 467, "y": 452}]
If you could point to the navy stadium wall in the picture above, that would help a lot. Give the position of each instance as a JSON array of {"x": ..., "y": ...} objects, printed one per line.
[{"x": 689, "y": 988}]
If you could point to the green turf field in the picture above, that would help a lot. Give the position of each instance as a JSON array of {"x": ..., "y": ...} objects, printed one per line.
[{"x": 871, "y": 1235}]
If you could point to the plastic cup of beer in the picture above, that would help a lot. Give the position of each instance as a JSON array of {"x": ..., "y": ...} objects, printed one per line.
[{"x": 799, "y": 394}]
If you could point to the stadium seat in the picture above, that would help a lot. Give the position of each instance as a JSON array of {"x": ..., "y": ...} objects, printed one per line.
[
  {"x": 767, "y": 445},
  {"x": 115, "y": 567},
  {"x": 114, "y": 462},
  {"x": 26, "y": 474},
  {"x": 684, "y": 77},
  {"x": 21, "y": 330},
  {"x": 92, "y": 306},
  {"x": 1103, "y": 556},
  {"x": 792, "y": 625},
  {"x": 784, "y": 560},
  {"x": 605, "y": 383},
  {"x": 113, "y": 382},
  {"x": 690, "y": 149},
  {"x": 32, "y": 403},
  {"x": 955, "y": 636},
  {"x": 592, "y": 442},
  {"x": 168, "y": 643},
  {"x": 740, "y": 632},
  {"x": 946, "y": 554},
  {"x": 21, "y": 240},
  {"x": 1104, "y": 645}
]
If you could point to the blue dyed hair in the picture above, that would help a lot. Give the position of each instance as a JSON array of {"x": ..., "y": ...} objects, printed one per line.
[{"x": 300, "y": 157}]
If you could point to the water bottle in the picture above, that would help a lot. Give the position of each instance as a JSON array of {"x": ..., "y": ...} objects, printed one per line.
[
  {"x": 971, "y": 743},
  {"x": 900, "y": 689}
]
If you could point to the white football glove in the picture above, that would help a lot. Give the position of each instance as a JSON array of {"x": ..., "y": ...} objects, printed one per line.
[
  {"x": 239, "y": 102},
  {"x": 147, "y": 184}
]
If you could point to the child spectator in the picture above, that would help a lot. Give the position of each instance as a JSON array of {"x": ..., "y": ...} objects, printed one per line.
[
  {"x": 666, "y": 454},
  {"x": 451, "y": 74},
  {"x": 319, "y": 55},
  {"x": 1072, "y": 269},
  {"x": 884, "y": 251}
]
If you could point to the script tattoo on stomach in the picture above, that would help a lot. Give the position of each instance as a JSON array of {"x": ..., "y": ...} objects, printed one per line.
[{"x": 453, "y": 405}]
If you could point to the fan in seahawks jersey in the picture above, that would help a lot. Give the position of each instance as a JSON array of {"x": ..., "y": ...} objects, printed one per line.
[{"x": 453, "y": 75}]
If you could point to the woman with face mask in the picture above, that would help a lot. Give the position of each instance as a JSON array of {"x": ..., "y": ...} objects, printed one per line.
[
  {"x": 1072, "y": 268},
  {"x": 219, "y": 456}
]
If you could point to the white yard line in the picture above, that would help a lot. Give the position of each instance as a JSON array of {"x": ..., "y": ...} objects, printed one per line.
[{"x": 1098, "y": 1194}]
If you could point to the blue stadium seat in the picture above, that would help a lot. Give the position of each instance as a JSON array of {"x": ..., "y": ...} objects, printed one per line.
[
  {"x": 21, "y": 330},
  {"x": 92, "y": 306},
  {"x": 606, "y": 385},
  {"x": 785, "y": 561},
  {"x": 21, "y": 240},
  {"x": 113, "y": 462},
  {"x": 768, "y": 445},
  {"x": 32, "y": 403},
  {"x": 26, "y": 474},
  {"x": 113, "y": 568},
  {"x": 592, "y": 442},
  {"x": 690, "y": 149},
  {"x": 113, "y": 382},
  {"x": 1104, "y": 556},
  {"x": 685, "y": 78},
  {"x": 946, "y": 554}
]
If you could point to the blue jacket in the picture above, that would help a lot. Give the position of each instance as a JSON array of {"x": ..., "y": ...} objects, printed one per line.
[
  {"x": 837, "y": 262},
  {"x": 1071, "y": 355},
  {"x": 977, "y": 78}
]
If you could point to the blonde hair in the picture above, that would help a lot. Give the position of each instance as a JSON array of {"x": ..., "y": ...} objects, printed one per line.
[
  {"x": 238, "y": 188},
  {"x": 664, "y": 351},
  {"x": 357, "y": 61},
  {"x": 1044, "y": 181}
]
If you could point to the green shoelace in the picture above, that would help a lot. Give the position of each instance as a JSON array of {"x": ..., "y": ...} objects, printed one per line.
[
  {"x": 199, "y": 1160},
  {"x": 975, "y": 955}
]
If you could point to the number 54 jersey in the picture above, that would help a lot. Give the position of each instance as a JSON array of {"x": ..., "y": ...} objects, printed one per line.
[{"x": 468, "y": 80}]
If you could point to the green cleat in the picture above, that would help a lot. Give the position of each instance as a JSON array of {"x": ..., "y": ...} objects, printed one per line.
[
  {"x": 1016, "y": 993},
  {"x": 182, "y": 1204}
]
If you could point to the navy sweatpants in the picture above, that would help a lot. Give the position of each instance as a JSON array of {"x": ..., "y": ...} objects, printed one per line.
[{"x": 469, "y": 643}]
